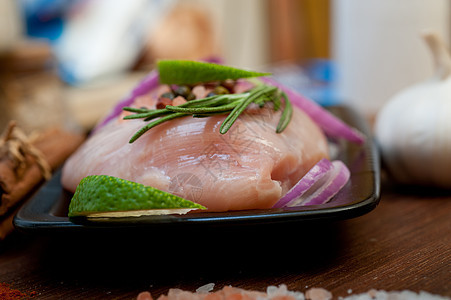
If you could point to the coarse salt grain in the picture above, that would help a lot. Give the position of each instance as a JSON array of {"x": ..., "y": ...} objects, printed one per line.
[
  {"x": 205, "y": 288},
  {"x": 318, "y": 294},
  {"x": 144, "y": 296},
  {"x": 372, "y": 293},
  {"x": 281, "y": 292}
]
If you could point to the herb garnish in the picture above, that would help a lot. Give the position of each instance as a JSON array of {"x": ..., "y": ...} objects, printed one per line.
[{"x": 231, "y": 104}]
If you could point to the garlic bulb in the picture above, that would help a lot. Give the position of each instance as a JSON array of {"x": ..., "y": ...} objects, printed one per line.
[{"x": 414, "y": 128}]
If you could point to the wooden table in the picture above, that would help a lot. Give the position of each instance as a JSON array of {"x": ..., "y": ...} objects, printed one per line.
[{"x": 403, "y": 244}]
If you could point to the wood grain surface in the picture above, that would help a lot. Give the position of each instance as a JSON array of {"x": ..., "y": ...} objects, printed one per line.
[{"x": 403, "y": 244}]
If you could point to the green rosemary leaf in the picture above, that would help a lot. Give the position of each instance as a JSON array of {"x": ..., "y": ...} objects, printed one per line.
[
  {"x": 268, "y": 95},
  {"x": 192, "y": 72},
  {"x": 136, "y": 116},
  {"x": 236, "y": 112},
  {"x": 287, "y": 113},
  {"x": 135, "y": 110},
  {"x": 153, "y": 116},
  {"x": 148, "y": 115},
  {"x": 276, "y": 101},
  {"x": 153, "y": 124},
  {"x": 203, "y": 110},
  {"x": 201, "y": 102}
]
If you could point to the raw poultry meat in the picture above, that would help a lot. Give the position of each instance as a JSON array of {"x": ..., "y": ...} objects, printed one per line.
[{"x": 249, "y": 167}]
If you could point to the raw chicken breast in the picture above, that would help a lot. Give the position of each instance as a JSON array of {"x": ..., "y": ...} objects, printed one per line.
[{"x": 250, "y": 167}]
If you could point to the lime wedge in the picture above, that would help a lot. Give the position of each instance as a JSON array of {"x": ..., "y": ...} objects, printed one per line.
[
  {"x": 102, "y": 195},
  {"x": 191, "y": 72}
]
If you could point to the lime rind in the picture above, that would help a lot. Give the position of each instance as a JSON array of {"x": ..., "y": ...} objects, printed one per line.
[
  {"x": 138, "y": 213},
  {"x": 192, "y": 72},
  {"x": 103, "y": 193}
]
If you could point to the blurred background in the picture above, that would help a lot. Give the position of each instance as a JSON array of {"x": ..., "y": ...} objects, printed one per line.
[{"x": 67, "y": 62}]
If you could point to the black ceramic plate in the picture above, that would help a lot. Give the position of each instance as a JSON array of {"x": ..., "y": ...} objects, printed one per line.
[{"x": 47, "y": 209}]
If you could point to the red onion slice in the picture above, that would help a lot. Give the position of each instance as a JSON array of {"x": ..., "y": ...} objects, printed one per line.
[
  {"x": 326, "y": 184},
  {"x": 332, "y": 126},
  {"x": 337, "y": 179},
  {"x": 314, "y": 175}
]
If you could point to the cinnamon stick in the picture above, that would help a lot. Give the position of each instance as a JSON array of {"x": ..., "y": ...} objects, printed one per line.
[{"x": 55, "y": 145}]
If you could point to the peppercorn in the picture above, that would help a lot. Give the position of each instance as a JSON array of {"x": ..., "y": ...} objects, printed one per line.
[
  {"x": 182, "y": 90},
  {"x": 229, "y": 84},
  {"x": 220, "y": 90},
  {"x": 169, "y": 95},
  {"x": 190, "y": 97}
]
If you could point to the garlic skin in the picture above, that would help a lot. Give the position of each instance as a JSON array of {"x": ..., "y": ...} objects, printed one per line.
[{"x": 413, "y": 129}]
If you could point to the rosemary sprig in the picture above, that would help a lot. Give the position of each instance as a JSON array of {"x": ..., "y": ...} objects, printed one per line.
[
  {"x": 202, "y": 110},
  {"x": 286, "y": 114},
  {"x": 145, "y": 113},
  {"x": 231, "y": 104},
  {"x": 258, "y": 92},
  {"x": 155, "y": 123}
]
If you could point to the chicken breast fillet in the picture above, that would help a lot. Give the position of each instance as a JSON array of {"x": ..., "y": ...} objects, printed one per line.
[{"x": 249, "y": 167}]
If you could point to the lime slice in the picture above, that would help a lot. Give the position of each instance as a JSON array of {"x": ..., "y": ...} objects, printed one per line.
[
  {"x": 108, "y": 196},
  {"x": 191, "y": 72}
]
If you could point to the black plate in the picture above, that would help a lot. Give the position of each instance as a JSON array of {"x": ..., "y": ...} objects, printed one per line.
[{"x": 46, "y": 211}]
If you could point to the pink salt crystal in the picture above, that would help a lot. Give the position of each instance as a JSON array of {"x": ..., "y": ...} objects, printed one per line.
[
  {"x": 178, "y": 294},
  {"x": 199, "y": 91},
  {"x": 178, "y": 101},
  {"x": 213, "y": 296},
  {"x": 318, "y": 294},
  {"x": 144, "y": 296},
  {"x": 283, "y": 297},
  {"x": 164, "y": 88},
  {"x": 372, "y": 293}
]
